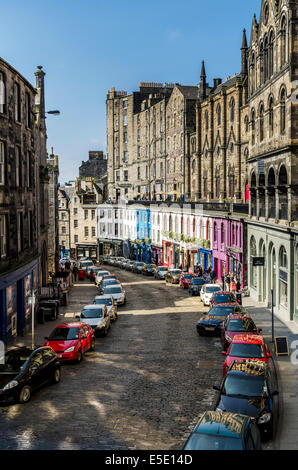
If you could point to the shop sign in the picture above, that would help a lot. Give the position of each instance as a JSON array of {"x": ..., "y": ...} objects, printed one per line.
[
  {"x": 11, "y": 308},
  {"x": 258, "y": 261}
]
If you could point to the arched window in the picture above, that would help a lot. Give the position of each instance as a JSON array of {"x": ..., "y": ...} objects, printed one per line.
[
  {"x": 283, "y": 193},
  {"x": 253, "y": 253},
  {"x": 193, "y": 165},
  {"x": 253, "y": 198},
  {"x": 246, "y": 124},
  {"x": 217, "y": 186},
  {"x": 283, "y": 111},
  {"x": 252, "y": 74},
  {"x": 181, "y": 224},
  {"x": 266, "y": 59},
  {"x": 222, "y": 234},
  {"x": 194, "y": 227},
  {"x": 271, "y": 54},
  {"x": 215, "y": 232},
  {"x": 271, "y": 194},
  {"x": 262, "y": 64},
  {"x": 232, "y": 107},
  {"x": 208, "y": 230},
  {"x": 261, "y": 117},
  {"x": 176, "y": 224},
  {"x": 188, "y": 226},
  {"x": 283, "y": 277},
  {"x": 253, "y": 127},
  {"x": 201, "y": 229},
  {"x": 2, "y": 93},
  {"x": 218, "y": 112},
  {"x": 283, "y": 42},
  {"x": 271, "y": 116},
  {"x": 206, "y": 120},
  {"x": 170, "y": 223}
]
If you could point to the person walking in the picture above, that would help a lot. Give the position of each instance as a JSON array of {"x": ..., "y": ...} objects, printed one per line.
[
  {"x": 228, "y": 281},
  {"x": 238, "y": 285},
  {"x": 233, "y": 285},
  {"x": 75, "y": 272}
]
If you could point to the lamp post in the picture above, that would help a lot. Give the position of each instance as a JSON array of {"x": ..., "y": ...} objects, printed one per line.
[{"x": 32, "y": 303}]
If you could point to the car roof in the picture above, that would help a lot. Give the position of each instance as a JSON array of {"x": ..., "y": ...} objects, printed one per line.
[
  {"x": 223, "y": 292},
  {"x": 104, "y": 296},
  {"x": 225, "y": 304},
  {"x": 223, "y": 424},
  {"x": 239, "y": 316},
  {"x": 69, "y": 325},
  {"x": 249, "y": 338},
  {"x": 91, "y": 306},
  {"x": 249, "y": 367}
]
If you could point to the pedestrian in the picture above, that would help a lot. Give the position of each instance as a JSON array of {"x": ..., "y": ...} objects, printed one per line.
[
  {"x": 75, "y": 272},
  {"x": 233, "y": 285},
  {"x": 212, "y": 276},
  {"x": 238, "y": 285},
  {"x": 228, "y": 281}
]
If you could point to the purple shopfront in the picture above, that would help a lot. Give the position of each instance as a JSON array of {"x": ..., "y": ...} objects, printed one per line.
[{"x": 228, "y": 249}]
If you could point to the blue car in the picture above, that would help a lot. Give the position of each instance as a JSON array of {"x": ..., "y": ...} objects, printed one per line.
[{"x": 224, "y": 431}]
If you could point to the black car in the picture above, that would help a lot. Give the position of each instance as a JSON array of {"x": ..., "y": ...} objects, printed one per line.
[
  {"x": 173, "y": 276},
  {"x": 25, "y": 370},
  {"x": 196, "y": 285},
  {"x": 249, "y": 388},
  {"x": 212, "y": 321},
  {"x": 149, "y": 269},
  {"x": 224, "y": 431}
]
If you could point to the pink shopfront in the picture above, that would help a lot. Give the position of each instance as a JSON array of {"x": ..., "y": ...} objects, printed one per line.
[{"x": 228, "y": 249}]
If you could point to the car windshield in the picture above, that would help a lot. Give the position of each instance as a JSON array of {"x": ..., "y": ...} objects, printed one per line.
[
  {"x": 187, "y": 276},
  {"x": 220, "y": 311},
  {"x": 14, "y": 360},
  {"x": 91, "y": 313},
  {"x": 107, "y": 282},
  {"x": 246, "y": 350},
  {"x": 198, "y": 282},
  {"x": 87, "y": 263},
  {"x": 200, "y": 441},
  {"x": 175, "y": 271},
  {"x": 163, "y": 268},
  {"x": 239, "y": 324},
  {"x": 103, "y": 301},
  {"x": 211, "y": 289},
  {"x": 102, "y": 273},
  {"x": 244, "y": 384},
  {"x": 222, "y": 298},
  {"x": 64, "y": 334},
  {"x": 139, "y": 264},
  {"x": 113, "y": 290}
]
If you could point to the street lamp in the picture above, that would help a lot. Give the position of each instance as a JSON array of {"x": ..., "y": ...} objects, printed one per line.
[{"x": 32, "y": 303}]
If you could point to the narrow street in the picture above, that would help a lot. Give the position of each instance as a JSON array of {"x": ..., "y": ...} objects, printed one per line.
[{"x": 142, "y": 388}]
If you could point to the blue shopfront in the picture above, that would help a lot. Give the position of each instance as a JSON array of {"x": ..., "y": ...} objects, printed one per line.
[
  {"x": 16, "y": 289},
  {"x": 144, "y": 252},
  {"x": 205, "y": 258}
]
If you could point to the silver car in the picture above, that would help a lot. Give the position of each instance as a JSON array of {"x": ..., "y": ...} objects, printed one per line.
[
  {"x": 97, "y": 317},
  {"x": 109, "y": 302},
  {"x": 100, "y": 275},
  {"x": 117, "y": 292},
  {"x": 161, "y": 272}
]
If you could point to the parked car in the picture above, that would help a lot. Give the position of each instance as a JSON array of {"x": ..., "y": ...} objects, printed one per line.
[
  {"x": 112, "y": 260},
  {"x": 223, "y": 297},
  {"x": 118, "y": 294},
  {"x": 118, "y": 261},
  {"x": 149, "y": 269},
  {"x": 100, "y": 275},
  {"x": 105, "y": 260},
  {"x": 107, "y": 282},
  {"x": 129, "y": 265},
  {"x": 224, "y": 431},
  {"x": 71, "y": 340},
  {"x": 212, "y": 321},
  {"x": 124, "y": 263},
  {"x": 97, "y": 317},
  {"x": 196, "y": 285},
  {"x": 236, "y": 324},
  {"x": 85, "y": 264},
  {"x": 109, "y": 302},
  {"x": 248, "y": 346},
  {"x": 160, "y": 272},
  {"x": 25, "y": 370},
  {"x": 207, "y": 291},
  {"x": 137, "y": 267},
  {"x": 185, "y": 279},
  {"x": 172, "y": 276},
  {"x": 249, "y": 388}
]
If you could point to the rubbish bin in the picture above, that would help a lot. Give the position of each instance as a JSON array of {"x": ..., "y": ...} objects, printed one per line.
[
  {"x": 64, "y": 298},
  {"x": 48, "y": 313},
  {"x": 40, "y": 315},
  {"x": 239, "y": 298}
]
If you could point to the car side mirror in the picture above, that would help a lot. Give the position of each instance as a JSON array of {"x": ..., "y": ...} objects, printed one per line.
[
  {"x": 269, "y": 355},
  {"x": 46, "y": 337},
  {"x": 224, "y": 353},
  {"x": 216, "y": 387}
]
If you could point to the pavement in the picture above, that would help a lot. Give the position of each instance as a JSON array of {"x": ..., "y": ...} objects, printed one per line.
[{"x": 286, "y": 369}]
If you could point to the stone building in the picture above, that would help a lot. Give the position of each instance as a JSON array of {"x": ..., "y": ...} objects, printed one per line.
[
  {"x": 63, "y": 222},
  {"x": 95, "y": 167},
  {"x": 273, "y": 157},
  {"x": 23, "y": 198},
  {"x": 53, "y": 238}
]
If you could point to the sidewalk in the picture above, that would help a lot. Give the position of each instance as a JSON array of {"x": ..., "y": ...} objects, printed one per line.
[{"x": 287, "y": 373}]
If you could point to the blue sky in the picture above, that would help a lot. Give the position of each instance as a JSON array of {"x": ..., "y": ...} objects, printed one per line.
[{"x": 87, "y": 47}]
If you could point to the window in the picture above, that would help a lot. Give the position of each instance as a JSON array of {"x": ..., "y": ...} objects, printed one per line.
[
  {"x": 206, "y": 120},
  {"x": 86, "y": 231},
  {"x": 215, "y": 232},
  {"x": 271, "y": 117},
  {"x": 139, "y": 134},
  {"x": 2, "y": 93},
  {"x": 283, "y": 48},
  {"x": 3, "y": 236},
  {"x": 283, "y": 277},
  {"x": 283, "y": 111},
  {"x": 20, "y": 232},
  {"x": 2, "y": 164},
  {"x": 253, "y": 253},
  {"x": 253, "y": 128},
  {"x": 125, "y": 120},
  {"x": 63, "y": 230},
  {"x": 218, "y": 112},
  {"x": 124, "y": 104},
  {"x": 232, "y": 106},
  {"x": 161, "y": 169},
  {"x": 30, "y": 229},
  {"x": 75, "y": 223},
  {"x": 63, "y": 215},
  {"x": 261, "y": 116},
  {"x": 125, "y": 137},
  {"x": 85, "y": 214},
  {"x": 76, "y": 239},
  {"x": 125, "y": 156},
  {"x": 17, "y": 102},
  {"x": 139, "y": 173},
  {"x": 29, "y": 170},
  {"x": 246, "y": 124},
  {"x": 93, "y": 214},
  {"x": 75, "y": 211},
  {"x": 28, "y": 111},
  {"x": 125, "y": 175},
  {"x": 118, "y": 175},
  {"x": 93, "y": 232}
]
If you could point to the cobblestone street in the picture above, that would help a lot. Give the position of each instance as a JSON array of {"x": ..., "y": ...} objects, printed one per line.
[{"x": 142, "y": 388}]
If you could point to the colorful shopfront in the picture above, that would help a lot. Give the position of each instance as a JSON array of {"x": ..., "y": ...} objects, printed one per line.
[{"x": 16, "y": 288}]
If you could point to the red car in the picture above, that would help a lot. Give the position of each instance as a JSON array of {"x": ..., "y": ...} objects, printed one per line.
[
  {"x": 237, "y": 324},
  {"x": 71, "y": 340},
  {"x": 185, "y": 279},
  {"x": 223, "y": 297},
  {"x": 248, "y": 346}
]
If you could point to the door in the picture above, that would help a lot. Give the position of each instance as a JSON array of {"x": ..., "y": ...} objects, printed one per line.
[
  {"x": 37, "y": 370},
  {"x": 84, "y": 339}
]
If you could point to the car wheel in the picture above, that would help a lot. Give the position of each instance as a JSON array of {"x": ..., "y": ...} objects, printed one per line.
[
  {"x": 92, "y": 347},
  {"x": 57, "y": 376},
  {"x": 201, "y": 333},
  {"x": 25, "y": 394},
  {"x": 80, "y": 356}
]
